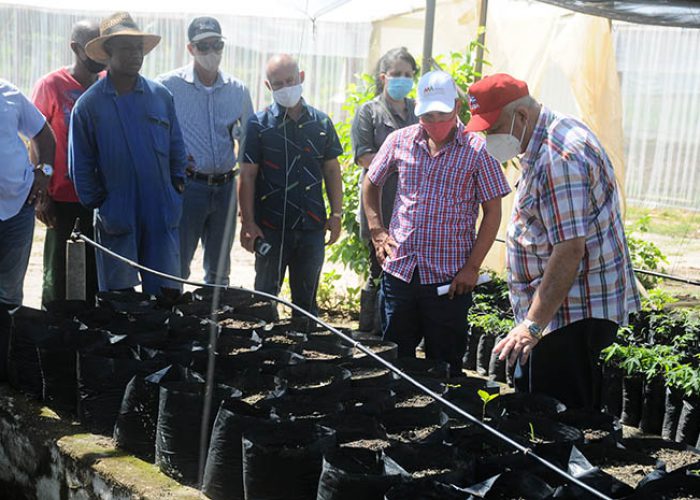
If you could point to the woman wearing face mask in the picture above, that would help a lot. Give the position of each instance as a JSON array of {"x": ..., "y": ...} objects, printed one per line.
[{"x": 390, "y": 110}]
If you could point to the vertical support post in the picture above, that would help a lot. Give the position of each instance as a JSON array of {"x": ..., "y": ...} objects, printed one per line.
[
  {"x": 483, "y": 12},
  {"x": 427, "y": 63},
  {"x": 75, "y": 270}
]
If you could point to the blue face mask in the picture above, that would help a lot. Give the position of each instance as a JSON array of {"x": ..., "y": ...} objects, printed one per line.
[{"x": 399, "y": 87}]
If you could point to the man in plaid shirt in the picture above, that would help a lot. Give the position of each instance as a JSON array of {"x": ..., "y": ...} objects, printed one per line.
[
  {"x": 569, "y": 270},
  {"x": 445, "y": 175}
]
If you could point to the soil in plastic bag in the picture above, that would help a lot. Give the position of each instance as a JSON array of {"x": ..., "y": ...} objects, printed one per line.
[
  {"x": 497, "y": 368},
  {"x": 289, "y": 340},
  {"x": 476, "y": 441},
  {"x": 264, "y": 310},
  {"x": 382, "y": 348},
  {"x": 241, "y": 324},
  {"x": 611, "y": 396},
  {"x": 232, "y": 298},
  {"x": 223, "y": 473},
  {"x": 631, "y": 400},
  {"x": 126, "y": 302},
  {"x": 354, "y": 474},
  {"x": 464, "y": 392},
  {"x": 367, "y": 401},
  {"x": 424, "y": 368},
  {"x": 364, "y": 374},
  {"x": 597, "y": 427},
  {"x": 268, "y": 361},
  {"x": 483, "y": 353},
  {"x": 525, "y": 404},
  {"x": 534, "y": 430},
  {"x": 511, "y": 484},
  {"x": 469, "y": 359},
  {"x": 135, "y": 429},
  {"x": 425, "y": 489},
  {"x": 682, "y": 483},
  {"x": 437, "y": 461},
  {"x": 103, "y": 375},
  {"x": 289, "y": 407},
  {"x": 581, "y": 469},
  {"x": 654, "y": 399},
  {"x": 292, "y": 452},
  {"x": 354, "y": 427},
  {"x": 255, "y": 387},
  {"x": 29, "y": 327},
  {"x": 179, "y": 422},
  {"x": 415, "y": 425},
  {"x": 314, "y": 380},
  {"x": 318, "y": 351},
  {"x": 672, "y": 412},
  {"x": 405, "y": 390},
  {"x": 689, "y": 421}
]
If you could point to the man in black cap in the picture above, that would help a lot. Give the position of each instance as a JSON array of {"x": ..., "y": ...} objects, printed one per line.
[{"x": 213, "y": 108}]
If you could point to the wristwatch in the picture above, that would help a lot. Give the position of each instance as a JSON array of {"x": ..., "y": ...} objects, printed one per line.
[
  {"x": 533, "y": 328},
  {"x": 45, "y": 168},
  {"x": 338, "y": 215}
]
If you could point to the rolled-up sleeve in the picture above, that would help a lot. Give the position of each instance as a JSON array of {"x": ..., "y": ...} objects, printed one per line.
[
  {"x": 383, "y": 163},
  {"x": 362, "y": 133},
  {"x": 82, "y": 159}
]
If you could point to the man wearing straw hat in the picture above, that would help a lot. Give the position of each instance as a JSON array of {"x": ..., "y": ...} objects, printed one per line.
[{"x": 127, "y": 160}]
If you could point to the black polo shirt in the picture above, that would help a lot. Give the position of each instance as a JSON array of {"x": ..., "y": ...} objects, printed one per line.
[{"x": 290, "y": 154}]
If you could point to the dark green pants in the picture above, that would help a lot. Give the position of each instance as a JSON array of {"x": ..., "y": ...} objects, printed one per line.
[{"x": 55, "y": 253}]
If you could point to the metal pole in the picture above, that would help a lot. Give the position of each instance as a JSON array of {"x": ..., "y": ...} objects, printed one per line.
[
  {"x": 479, "y": 63},
  {"x": 75, "y": 267},
  {"x": 427, "y": 64}
]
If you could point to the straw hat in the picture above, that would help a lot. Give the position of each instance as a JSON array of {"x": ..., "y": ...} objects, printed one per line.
[{"x": 118, "y": 24}]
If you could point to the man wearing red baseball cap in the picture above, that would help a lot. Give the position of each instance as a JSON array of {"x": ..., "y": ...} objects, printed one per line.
[
  {"x": 569, "y": 270},
  {"x": 444, "y": 177}
]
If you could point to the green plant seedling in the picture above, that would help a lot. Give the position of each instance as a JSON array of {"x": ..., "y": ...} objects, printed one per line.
[{"x": 486, "y": 398}]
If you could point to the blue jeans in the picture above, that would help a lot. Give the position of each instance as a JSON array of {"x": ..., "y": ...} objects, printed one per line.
[
  {"x": 16, "y": 235},
  {"x": 412, "y": 312},
  {"x": 208, "y": 214},
  {"x": 303, "y": 254}
]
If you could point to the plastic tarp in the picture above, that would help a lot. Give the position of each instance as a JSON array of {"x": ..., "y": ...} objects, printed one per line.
[{"x": 679, "y": 13}]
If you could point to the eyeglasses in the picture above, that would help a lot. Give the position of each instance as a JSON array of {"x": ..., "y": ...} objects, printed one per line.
[{"x": 217, "y": 46}]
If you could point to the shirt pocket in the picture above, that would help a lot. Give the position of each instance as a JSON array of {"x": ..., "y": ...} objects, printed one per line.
[{"x": 160, "y": 131}]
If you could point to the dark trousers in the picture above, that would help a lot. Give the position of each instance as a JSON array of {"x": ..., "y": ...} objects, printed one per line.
[
  {"x": 300, "y": 251},
  {"x": 54, "y": 287},
  {"x": 565, "y": 364},
  {"x": 412, "y": 312}
]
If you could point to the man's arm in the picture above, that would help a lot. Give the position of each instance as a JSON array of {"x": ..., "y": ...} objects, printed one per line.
[
  {"x": 44, "y": 144},
  {"x": 82, "y": 160},
  {"x": 246, "y": 199},
  {"x": 559, "y": 275},
  {"x": 466, "y": 278},
  {"x": 371, "y": 201},
  {"x": 334, "y": 189}
]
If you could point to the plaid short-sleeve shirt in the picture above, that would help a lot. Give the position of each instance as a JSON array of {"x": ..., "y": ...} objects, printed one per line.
[
  {"x": 437, "y": 200},
  {"x": 568, "y": 190}
]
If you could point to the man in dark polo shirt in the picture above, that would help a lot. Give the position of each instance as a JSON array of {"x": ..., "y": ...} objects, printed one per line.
[{"x": 291, "y": 151}]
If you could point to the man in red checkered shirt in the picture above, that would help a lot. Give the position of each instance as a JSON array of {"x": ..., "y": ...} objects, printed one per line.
[{"x": 445, "y": 175}]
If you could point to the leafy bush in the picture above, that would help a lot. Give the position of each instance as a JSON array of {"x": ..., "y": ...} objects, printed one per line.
[{"x": 645, "y": 254}]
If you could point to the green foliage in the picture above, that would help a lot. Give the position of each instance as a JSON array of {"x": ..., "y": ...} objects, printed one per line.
[
  {"x": 645, "y": 254},
  {"x": 486, "y": 398},
  {"x": 329, "y": 299},
  {"x": 684, "y": 377}
]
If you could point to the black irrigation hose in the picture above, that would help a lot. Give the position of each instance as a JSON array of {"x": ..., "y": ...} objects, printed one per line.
[
  {"x": 76, "y": 235},
  {"x": 680, "y": 279}
]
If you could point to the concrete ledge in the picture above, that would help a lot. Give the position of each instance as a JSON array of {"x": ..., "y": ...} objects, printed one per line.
[{"x": 45, "y": 457}]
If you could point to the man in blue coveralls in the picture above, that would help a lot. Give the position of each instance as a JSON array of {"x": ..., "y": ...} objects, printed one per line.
[{"x": 127, "y": 160}]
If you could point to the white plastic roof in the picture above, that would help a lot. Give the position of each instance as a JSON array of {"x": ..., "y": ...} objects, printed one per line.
[{"x": 325, "y": 10}]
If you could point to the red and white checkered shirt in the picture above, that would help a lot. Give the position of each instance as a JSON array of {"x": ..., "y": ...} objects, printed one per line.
[{"x": 437, "y": 200}]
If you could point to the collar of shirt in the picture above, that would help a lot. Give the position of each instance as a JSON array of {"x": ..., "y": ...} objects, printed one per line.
[
  {"x": 538, "y": 134},
  {"x": 190, "y": 76},
  {"x": 109, "y": 86}
]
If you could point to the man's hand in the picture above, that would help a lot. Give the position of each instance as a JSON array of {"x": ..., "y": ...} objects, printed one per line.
[
  {"x": 517, "y": 344},
  {"x": 384, "y": 244},
  {"x": 333, "y": 225},
  {"x": 40, "y": 187},
  {"x": 464, "y": 282},
  {"x": 46, "y": 211},
  {"x": 178, "y": 184},
  {"x": 249, "y": 233}
]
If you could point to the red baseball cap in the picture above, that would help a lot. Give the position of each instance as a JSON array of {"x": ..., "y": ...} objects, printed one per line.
[{"x": 489, "y": 96}]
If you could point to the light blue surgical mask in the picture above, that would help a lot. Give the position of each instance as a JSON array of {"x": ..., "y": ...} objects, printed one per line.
[{"x": 398, "y": 87}]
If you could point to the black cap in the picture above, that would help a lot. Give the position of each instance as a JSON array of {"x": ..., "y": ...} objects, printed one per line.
[{"x": 203, "y": 27}]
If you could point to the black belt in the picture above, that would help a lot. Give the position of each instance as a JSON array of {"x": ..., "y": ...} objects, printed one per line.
[{"x": 212, "y": 179}]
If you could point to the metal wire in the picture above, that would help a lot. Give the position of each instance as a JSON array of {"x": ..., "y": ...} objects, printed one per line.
[{"x": 77, "y": 235}]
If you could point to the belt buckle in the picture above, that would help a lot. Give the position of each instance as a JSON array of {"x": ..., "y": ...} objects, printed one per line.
[{"x": 210, "y": 179}]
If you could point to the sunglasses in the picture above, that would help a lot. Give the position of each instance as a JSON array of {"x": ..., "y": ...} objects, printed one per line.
[{"x": 217, "y": 46}]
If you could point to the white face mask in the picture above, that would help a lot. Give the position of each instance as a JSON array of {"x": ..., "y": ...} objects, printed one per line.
[
  {"x": 287, "y": 97},
  {"x": 504, "y": 147},
  {"x": 210, "y": 61}
]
